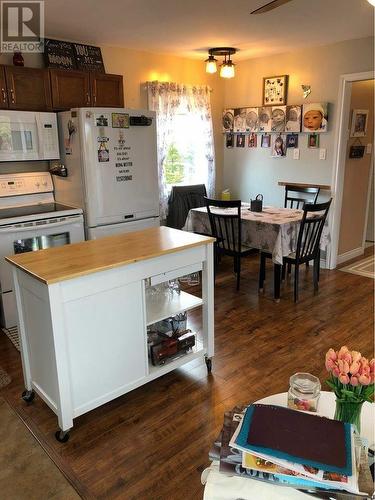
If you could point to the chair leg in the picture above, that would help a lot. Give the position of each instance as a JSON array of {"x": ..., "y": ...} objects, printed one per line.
[
  {"x": 307, "y": 264},
  {"x": 289, "y": 268},
  {"x": 238, "y": 272},
  {"x": 276, "y": 277},
  {"x": 234, "y": 264},
  {"x": 318, "y": 259},
  {"x": 262, "y": 271},
  {"x": 316, "y": 274},
  {"x": 283, "y": 272},
  {"x": 296, "y": 280}
]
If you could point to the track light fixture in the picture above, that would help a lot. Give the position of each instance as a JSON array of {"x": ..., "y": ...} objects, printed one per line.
[{"x": 227, "y": 67}]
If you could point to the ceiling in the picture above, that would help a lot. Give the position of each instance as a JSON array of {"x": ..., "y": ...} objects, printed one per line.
[{"x": 189, "y": 28}]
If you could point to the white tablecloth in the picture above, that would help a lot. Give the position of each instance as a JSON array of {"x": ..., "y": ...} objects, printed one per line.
[{"x": 274, "y": 230}]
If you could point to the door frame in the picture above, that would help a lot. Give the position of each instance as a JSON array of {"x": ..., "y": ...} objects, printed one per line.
[{"x": 338, "y": 174}]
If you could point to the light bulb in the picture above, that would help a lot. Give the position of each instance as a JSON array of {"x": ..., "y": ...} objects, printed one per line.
[
  {"x": 227, "y": 69},
  {"x": 372, "y": 2},
  {"x": 211, "y": 65}
]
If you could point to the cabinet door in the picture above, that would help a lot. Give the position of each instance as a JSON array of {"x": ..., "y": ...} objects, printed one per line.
[
  {"x": 107, "y": 90},
  {"x": 3, "y": 89},
  {"x": 28, "y": 88},
  {"x": 70, "y": 89}
]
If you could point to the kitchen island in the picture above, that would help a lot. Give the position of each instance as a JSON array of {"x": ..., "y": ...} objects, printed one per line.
[{"x": 83, "y": 315}]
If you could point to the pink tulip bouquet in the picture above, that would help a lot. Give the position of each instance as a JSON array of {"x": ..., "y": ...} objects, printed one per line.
[{"x": 352, "y": 381}]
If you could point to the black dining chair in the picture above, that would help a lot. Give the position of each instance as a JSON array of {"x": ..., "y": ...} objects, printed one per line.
[
  {"x": 226, "y": 228},
  {"x": 294, "y": 200},
  {"x": 308, "y": 246},
  {"x": 181, "y": 200},
  {"x": 305, "y": 195}
]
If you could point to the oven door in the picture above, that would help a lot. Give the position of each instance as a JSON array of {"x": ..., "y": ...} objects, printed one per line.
[{"x": 41, "y": 234}]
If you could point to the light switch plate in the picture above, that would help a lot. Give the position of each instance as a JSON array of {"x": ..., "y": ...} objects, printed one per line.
[
  {"x": 322, "y": 153},
  {"x": 296, "y": 154},
  {"x": 369, "y": 148}
]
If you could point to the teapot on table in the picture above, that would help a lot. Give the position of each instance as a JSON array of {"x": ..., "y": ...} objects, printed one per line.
[{"x": 257, "y": 204}]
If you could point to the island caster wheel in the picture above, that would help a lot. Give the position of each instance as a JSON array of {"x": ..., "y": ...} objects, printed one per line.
[
  {"x": 62, "y": 436},
  {"x": 209, "y": 364},
  {"x": 28, "y": 396}
]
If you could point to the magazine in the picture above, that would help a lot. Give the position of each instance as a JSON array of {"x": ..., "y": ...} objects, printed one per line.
[
  {"x": 298, "y": 474},
  {"x": 231, "y": 463}
]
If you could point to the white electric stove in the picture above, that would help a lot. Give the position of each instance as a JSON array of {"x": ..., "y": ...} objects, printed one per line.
[{"x": 30, "y": 220}]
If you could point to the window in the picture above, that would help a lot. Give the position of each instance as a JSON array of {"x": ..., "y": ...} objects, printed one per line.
[
  {"x": 185, "y": 161},
  {"x": 184, "y": 137}
]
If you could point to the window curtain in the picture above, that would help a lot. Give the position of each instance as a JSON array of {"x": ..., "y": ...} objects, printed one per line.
[{"x": 167, "y": 99}]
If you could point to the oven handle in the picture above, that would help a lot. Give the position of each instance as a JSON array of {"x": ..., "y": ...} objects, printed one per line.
[{"x": 33, "y": 228}]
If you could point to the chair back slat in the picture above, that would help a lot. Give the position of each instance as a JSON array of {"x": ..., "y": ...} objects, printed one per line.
[
  {"x": 298, "y": 202},
  {"x": 225, "y": 227},
  {"x": 310, "y": 230}
]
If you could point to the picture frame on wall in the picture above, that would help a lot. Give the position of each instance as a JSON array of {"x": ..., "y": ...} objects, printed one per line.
[
  {"x": 275, "y": 90},
  {"x": 315, "y": 117},
  {"x": 359, "y": 123},
  {"x": 228, "y": 118}
]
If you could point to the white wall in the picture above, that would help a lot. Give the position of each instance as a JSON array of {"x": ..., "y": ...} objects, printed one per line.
[{"x": 251, "y": 171}]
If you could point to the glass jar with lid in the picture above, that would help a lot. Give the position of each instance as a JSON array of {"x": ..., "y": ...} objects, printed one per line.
[{"x": 304, "y": 392}]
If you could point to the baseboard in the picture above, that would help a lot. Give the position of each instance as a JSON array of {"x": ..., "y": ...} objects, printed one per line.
[{"x": 352, "y": 254}]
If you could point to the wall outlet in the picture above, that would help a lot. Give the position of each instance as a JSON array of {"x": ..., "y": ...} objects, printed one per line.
[
  {"x": 322, "y": 153},
  {"x": 296, "y": 154},
  {"x": 368, "y": 148}
]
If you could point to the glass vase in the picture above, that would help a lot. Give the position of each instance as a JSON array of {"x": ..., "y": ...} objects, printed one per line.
[{"x": 347, "y": 411}]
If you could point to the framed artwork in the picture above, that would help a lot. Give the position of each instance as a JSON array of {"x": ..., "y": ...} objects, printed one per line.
[
  {"x": 240, "y": 120},
  {"x": 313, "y": 141},
  {"x": 229, "y": 140},
  {"x": 278, "y": 146},
  {"x": 251, "y": 119},
  {"x": 315, "y": 117},
  {"x": 240, "y": 142},
  {"x": 228, "y": 119},
  {"x": 278, "y": 115},
  {"x": 264, "y": 119},
  {"x": 275, "y": 90},
  {"x": 292, "y": 141},
  {"x": 356, "y": 151},
  {"x": 359, "y": 123},
  {"x": 266, "y": 140},
  {"x": 252, "y": 140},
  {"x": 293, "y": 118}
]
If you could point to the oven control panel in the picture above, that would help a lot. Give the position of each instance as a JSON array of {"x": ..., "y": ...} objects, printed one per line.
[{"x": 25, "y": 183}]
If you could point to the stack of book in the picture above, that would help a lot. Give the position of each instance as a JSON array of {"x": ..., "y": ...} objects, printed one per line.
[{"x": 292, "y": 448}]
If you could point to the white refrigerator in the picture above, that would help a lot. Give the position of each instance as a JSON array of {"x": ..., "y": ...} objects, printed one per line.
[{"x": 112, "y": 174}]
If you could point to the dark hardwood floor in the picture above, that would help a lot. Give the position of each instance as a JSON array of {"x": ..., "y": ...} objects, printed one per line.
[{"x": 153, "y": 443}]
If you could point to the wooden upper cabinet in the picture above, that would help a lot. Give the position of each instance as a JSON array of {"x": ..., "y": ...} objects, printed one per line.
[
  {"x": 27, "y": 88},
  {"x": 70, "y": 89},
  {"x": 107, "y": 90},
  {"x": 3, "y": 89}
]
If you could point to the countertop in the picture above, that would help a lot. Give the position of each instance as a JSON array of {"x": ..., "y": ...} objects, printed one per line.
[{"x": 79, "y": 259}]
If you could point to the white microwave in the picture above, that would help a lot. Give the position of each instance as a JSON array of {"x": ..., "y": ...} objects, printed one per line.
[{"x": 28, "y": 135}]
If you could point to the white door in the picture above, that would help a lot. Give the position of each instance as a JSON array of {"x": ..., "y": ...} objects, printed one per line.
[{"x": 120, "y": 167}]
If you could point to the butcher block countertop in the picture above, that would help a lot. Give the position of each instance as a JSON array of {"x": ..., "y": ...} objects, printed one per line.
[{"x": 79, "y": 259}]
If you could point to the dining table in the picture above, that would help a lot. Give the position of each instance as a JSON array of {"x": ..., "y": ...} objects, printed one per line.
[{"x": 273, "y": 230}]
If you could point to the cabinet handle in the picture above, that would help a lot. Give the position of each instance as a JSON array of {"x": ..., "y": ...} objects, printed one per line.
[
  {"x": 12, "y": 96},
  {"x": 94, "y": 97},
  {"x": 87, "y": 98},
  {"x": 3, "y": 94}
]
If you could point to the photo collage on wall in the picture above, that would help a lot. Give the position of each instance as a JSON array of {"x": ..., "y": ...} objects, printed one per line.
[{"x": 280, "y": 126}]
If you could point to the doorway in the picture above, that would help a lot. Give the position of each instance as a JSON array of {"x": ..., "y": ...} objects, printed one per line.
[{"x": 352, "y": 177}]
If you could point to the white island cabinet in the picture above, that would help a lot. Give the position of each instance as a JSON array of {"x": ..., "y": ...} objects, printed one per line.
[{"x": 83, "y": 315}]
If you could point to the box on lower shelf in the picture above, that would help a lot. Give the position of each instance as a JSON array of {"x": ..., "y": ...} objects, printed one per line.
[{"x": 198, "y": 351}]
